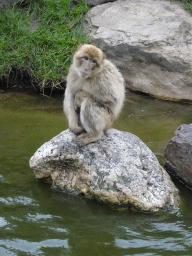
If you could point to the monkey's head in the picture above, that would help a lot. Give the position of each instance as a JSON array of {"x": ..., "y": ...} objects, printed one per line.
[{"x": 88, "y": 60}]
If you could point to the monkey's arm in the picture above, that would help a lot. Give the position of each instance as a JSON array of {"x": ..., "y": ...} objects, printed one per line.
[
  {"x": 79, "y": 97},
  {"x": 108, "y": 98},
  {"x": 111, "y": 98}
]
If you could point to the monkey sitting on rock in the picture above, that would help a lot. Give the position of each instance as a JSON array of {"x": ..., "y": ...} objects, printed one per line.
[{"x": 94, "y": 94}]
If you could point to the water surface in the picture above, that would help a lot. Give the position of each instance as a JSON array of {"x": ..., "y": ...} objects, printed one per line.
[{"x": 36, "y": 220}]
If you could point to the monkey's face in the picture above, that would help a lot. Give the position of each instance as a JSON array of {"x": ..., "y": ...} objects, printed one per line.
[
  {"x": 86, "y": 67},
  {"x": 88, "y": 61}
]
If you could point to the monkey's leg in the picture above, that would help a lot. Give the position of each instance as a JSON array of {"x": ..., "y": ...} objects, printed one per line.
[
  {"x": 95, "y": 118},
  {"x": 80, "y": 96},
  {"x": 76, "y": 126},
  {"x": 79, "y": 121},
  {"x": 72, "y": 115}
]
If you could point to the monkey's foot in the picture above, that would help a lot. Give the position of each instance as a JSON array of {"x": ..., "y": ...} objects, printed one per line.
[
  {"x": 85, "y": 138},
  {"x": 77, "y": 130}
]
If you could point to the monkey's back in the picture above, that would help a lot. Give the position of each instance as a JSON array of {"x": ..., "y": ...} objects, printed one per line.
[{"x": 111, "y": 83}]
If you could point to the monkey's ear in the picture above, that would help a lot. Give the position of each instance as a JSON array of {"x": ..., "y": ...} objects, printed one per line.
[{"x": 79, "y": 47}]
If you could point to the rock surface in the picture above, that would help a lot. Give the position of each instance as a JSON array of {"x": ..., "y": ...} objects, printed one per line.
[
  {"x": 97, "y": 2},
  {"x": 151, "y": 43},
  {"x": 120, "y": 170},
  {"x": 178, "y": 154}
]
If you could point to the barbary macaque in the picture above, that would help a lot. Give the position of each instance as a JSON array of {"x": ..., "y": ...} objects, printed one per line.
[{"x": 94, "y": 94}]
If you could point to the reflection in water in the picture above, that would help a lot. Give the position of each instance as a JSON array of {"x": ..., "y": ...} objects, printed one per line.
[{"x": 36, "y": 220}]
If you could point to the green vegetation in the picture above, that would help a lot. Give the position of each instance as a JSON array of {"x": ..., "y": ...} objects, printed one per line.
[
  {"x": 40, "y": 36},
  {"x": 187, "y": 4}
]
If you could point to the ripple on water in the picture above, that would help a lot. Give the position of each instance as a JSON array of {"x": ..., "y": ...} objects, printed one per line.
[
  {"x": 18, "y": 200},
  {"x": 6, "y": 252},
  {"x": 34, "y": 248},
  {"x": 169, "y": 237},
  {"x": 169, "y": 244},
  {"x": 2, "y": 179},
  {"x": 40, "y": 217},
  {"x": 60, "y": 230},
  {"x": 3, "y": 222}
]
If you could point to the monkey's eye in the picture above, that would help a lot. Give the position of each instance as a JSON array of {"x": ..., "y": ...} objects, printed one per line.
[
  {"x": 93, "y": 61},
  {"x": 86, "y": 58}
]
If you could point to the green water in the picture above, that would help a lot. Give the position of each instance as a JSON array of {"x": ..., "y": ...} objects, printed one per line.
[{"x": 36, "y": 220}]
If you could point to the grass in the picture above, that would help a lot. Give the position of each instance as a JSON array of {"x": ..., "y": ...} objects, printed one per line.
[
  {"x": 187, "y": 4},
  {"x": 41, "y": 36}
]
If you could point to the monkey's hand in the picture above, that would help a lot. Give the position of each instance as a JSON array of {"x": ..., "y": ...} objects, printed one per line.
[{"x": 79, "y": 97}]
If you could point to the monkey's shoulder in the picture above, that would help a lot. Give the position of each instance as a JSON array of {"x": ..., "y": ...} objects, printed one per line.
[
  {"x": 109, "y": 76},
  {"x": 110, "y": 71}
]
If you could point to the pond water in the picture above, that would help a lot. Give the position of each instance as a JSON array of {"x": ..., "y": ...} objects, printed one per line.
[{"x": 36, "y": 220}]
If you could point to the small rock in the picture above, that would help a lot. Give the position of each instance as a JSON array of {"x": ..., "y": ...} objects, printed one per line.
[
  {"x": 120, "y": 170},
  {"x": 178, "y": 154}
]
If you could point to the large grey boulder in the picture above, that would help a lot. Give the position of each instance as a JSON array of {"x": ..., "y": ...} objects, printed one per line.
[
  {"x": 120, "y": 170},
  {"x": 151, "y": 43},
  {"x": 178, "y": 154},
  {"x": 97, "y": 2}
]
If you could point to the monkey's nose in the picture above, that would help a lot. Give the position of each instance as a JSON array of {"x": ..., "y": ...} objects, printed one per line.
[{"x": 84, "y": 74}]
